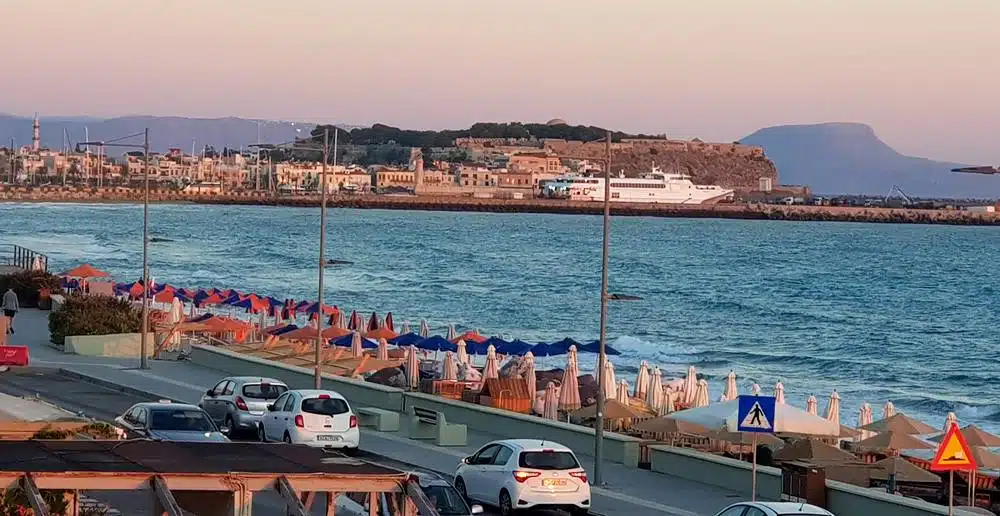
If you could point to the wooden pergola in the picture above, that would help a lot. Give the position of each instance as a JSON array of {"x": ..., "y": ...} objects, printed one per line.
[{"x": 193, "y": 476}]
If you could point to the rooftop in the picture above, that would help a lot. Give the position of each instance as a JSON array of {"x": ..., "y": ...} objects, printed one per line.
[{"x": 142, "y": 456}]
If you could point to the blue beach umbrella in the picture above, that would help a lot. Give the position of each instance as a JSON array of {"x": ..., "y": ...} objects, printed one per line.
[
  {"x": 595, "y": 347},
  {"x": 437, "y": 343},
  {"x": 561, "y": 347},
  {"x": 346, "y": 340},
  {"x": 405, "y": 339},
  {"x": 515, "y": 347}
]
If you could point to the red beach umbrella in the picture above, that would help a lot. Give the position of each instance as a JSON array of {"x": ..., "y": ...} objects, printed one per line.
[
  {"x": 373, "y": 322},
  {"x": 388, "y": 322},
  {"x": 85, "y": 271}
]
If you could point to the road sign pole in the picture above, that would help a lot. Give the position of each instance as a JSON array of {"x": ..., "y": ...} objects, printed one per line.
[
  {"x": 951, "y": 493},
  {"x": 753, "y": 483}
]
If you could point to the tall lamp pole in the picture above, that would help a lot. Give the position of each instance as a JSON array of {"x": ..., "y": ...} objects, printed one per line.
[
  {"x": 143, "y": 338},
  {"x": 602, "y": 356}
]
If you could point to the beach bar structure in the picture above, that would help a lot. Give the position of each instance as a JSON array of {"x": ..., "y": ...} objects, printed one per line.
[{"x": 208, "y": 479}]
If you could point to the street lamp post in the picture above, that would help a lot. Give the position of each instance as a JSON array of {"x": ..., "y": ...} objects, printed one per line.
[
  {"x": 318, "y": 355},
  {"x": 602, "y": 356},
  {"x": 143, "y": 338}
]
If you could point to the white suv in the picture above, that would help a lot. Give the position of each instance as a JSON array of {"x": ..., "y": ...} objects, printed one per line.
[
  {"x": 322, "y": 419},
  {"x": 516, "y": 474}
]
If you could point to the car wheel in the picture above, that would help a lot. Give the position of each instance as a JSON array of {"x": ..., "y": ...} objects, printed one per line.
[
  {"x": 227, "y": 428},
  {"x": 577, "y": 511},
  {"x": 287, "y": 438},
  {"x": 506, "y": 506},
  {"x": 460, "y": 487},
  {"x": 351, "y": 451},
  {"x": 261, "y": 436}
]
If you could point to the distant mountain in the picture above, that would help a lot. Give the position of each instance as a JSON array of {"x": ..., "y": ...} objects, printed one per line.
[
  {"x": 848, "y": 158},
  {"x": 164, "y": 132}
]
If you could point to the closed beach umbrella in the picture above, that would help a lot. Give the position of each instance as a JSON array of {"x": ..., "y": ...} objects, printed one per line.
[
  {"x": 642, "y": 380},
  {"x": 383, "y": 350},
  {"x": 888, "y": 410},
  {"x": 569, "y": 391},
  {"x": 608, "y": 383},
  {"x": 492, "y": 369},
  {"x": 731, "y": 392},
  {"x": 356, "y": 346},
  {"x": 690, "y": 385},
  {"x": 389, "y": 322},
  {"x": 406, "y": 328},
  {"x": 412, "y": 367},
  {"x": 755, "y": 389},
  {"x": 701, "y": 397},
  {"x": 622, "y": 394},
  {"x": 341, "y": 319},
  {"x": 451, "y": 332},
  {"x": 551, "y": 405},
  {"x": 833, "y": 408},
  {"x": 865, "y": 418},
  {"x": 950, "y": 419},
  {"x": 529, "y": 372},
  {"x": 449, "y": 369},
  {"x": 669, "y": 402},
  {"x": 463, "y": 355},
  {"x": 779, "y": 392},
  {"x": 654, "y": 396},
  {"x": 572, "y": 359},
  {"x": 812, "y": 405},
  {"x": 425, "y": 331}
]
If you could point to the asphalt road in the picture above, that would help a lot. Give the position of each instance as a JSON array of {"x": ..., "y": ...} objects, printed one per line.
[{"x": 104, "y": 404}]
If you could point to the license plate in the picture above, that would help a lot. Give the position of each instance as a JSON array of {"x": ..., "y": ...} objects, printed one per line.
[
  {"x": 327, "y": 437},
  {"x": 552, "y": 482}
]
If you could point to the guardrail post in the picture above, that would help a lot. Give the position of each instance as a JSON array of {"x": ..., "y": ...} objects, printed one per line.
[{"x": 34, "y": 497}]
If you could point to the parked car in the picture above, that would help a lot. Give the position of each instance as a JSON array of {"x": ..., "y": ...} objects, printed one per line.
[
  {"x": 516, "y": 474},
  {"x": 169, "y": 421},
  {"x": 323, "y": 419},
  {"x": 446, "y": 499},
  {"x": 773, "y": 509},
  {"x": 238, "y": 403}
]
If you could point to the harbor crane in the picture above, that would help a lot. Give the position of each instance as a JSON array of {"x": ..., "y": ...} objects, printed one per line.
[{"x": 897, "y": 190}]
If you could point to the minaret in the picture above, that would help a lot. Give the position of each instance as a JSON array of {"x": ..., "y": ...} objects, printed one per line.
[{"x": 36, "y": 135}]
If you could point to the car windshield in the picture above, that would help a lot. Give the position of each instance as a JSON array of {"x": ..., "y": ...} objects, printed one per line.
[
  {"x": 180, "y": 420},
  {"x": 548, "y": 460},
  {"x": 263, "y": 391},
  {"x": 447, "y": 500},
  {"x": 325, "y": 406}
]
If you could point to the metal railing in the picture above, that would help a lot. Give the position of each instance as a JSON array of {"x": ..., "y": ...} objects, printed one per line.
[{"x": 23, "y": 258}]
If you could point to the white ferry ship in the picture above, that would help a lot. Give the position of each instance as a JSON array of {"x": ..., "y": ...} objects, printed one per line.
[{"x": 654, "y": 187}]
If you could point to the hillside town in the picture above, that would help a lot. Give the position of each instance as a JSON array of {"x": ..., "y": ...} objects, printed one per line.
[{"x": 478, "y": 167}]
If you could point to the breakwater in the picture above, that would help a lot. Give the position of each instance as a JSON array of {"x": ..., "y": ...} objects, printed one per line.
[{"x": 552, "y": 206}]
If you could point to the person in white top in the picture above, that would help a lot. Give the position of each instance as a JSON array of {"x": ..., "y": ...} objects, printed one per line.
[{"x": 10, "y": 308}]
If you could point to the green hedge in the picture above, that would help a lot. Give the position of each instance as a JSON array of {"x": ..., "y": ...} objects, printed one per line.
[
  {"x": 26, "y": 285},
  {"x": 93, "y": 315}
]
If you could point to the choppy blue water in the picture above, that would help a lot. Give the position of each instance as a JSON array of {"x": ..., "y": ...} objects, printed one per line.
[{"x": 879, "y": 312}]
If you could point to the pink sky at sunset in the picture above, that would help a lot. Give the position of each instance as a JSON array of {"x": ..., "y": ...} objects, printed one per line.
[{"x": 924, "y": 73}]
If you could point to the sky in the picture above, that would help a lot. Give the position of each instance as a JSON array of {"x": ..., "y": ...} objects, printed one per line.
[{"x": 924, "y": 73}]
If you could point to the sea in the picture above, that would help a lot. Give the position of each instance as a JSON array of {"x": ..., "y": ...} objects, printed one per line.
[{"x": 877, "y": 312}]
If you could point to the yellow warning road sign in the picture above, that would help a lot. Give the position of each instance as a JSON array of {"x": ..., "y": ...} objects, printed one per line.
[{"x": 953, "y": 454}]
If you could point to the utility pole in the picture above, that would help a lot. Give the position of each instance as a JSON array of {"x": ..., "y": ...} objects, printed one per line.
[
  {"x": 322, "y": 260},
  {"x": 602, "y": 356},
  {"x": 143, "y": 340}
]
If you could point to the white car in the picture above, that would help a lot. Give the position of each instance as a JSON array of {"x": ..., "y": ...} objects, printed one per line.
[
  {"x": 322, "y": 419},
  {"x": 517, "y": 474},
  {"x": 773, "y": 509}
]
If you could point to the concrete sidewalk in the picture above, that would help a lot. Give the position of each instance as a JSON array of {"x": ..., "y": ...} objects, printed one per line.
[{"x": 628, "y": 491}]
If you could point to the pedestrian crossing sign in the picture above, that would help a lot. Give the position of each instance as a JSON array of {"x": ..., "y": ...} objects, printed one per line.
[
  {"x": 756, "y": 414},
  {"x": 953, "y": 454}
]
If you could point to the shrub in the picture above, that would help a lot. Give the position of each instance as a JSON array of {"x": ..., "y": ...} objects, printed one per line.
[
  {"x": 93, "y": 315},
  {"x": 26, "y": 285}
]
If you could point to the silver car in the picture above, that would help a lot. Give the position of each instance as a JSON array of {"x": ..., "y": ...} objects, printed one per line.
[
  {"x": 237, "y": 403},
  {"x": 773, "y": 509}
]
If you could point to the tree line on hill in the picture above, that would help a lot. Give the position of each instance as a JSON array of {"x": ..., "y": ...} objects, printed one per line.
[{"x": 381, "y": 134}]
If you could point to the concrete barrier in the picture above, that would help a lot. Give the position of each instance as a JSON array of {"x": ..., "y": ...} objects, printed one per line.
[
  {"x": 705, "y": 468},
  {"x": 118, "y": 345},
  {"x": 850, "y": 500},
  {"x": 358, "y": 392},
  {"x": 618, "y": 448}
]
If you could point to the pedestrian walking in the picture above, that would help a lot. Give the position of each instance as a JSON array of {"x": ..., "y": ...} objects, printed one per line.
[{"x": 10, "y": 308}]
